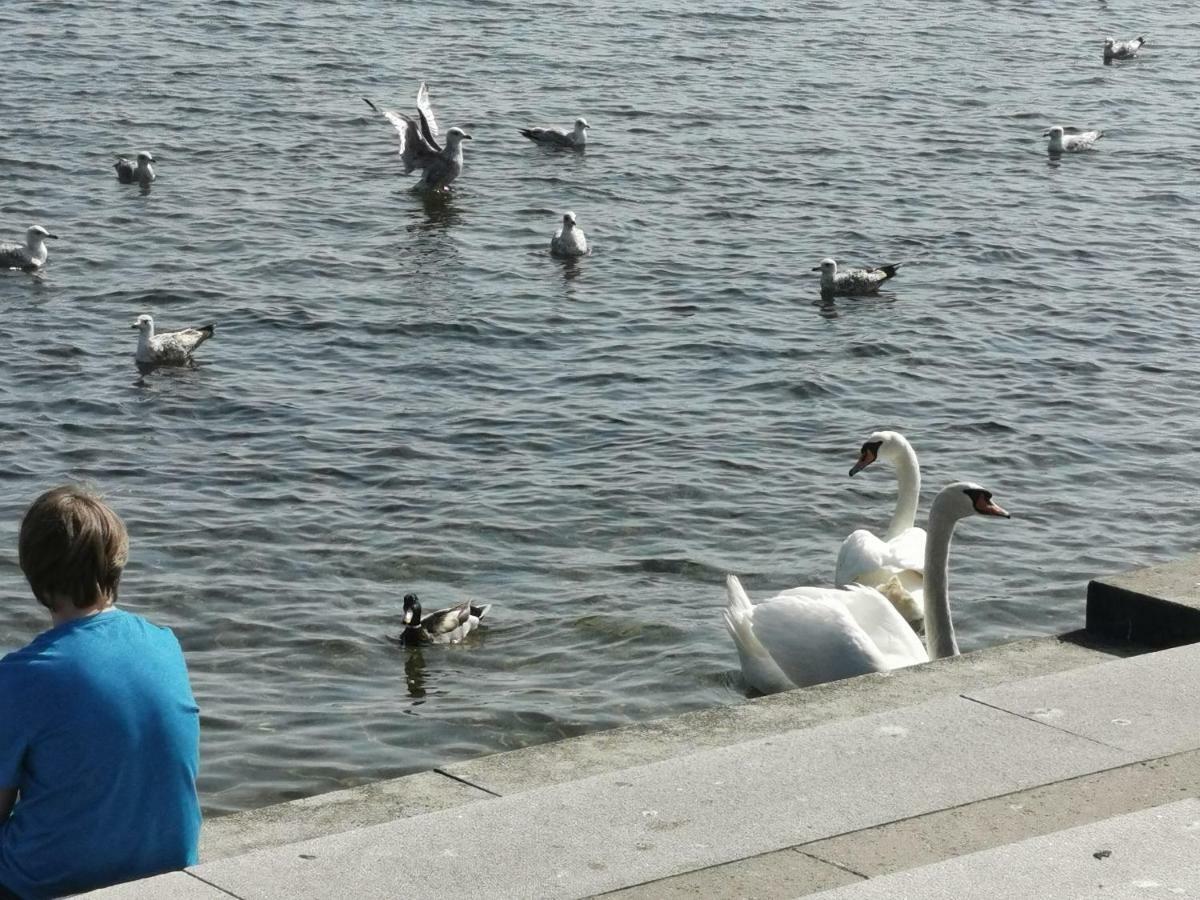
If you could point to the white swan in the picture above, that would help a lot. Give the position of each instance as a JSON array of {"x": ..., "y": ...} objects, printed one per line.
[
  {"x": 894, "y": 564},
  {"x": 810, "y": 635}
]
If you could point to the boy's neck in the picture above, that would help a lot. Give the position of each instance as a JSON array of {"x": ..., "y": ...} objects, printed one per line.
[{"x": 68, "y": 612}]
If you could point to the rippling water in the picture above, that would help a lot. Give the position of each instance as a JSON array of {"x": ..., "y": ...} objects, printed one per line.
[{"x": 407, "y": 396}]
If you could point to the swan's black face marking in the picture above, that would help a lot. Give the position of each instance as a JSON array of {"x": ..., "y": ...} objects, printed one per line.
[
  {"x": 412, "y": 610},
  {"x": 866, "y": 456},
  {"x": 982, "y": 501}
]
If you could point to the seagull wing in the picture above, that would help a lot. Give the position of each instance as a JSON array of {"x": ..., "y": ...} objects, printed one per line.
[
  {"x": 176, "y": 346},
  {"x": 425, "y": 110},
  {"x": 549, "y": 136},
  {"x": 415, "y": 152},
  {"x": 13, "y": 256}
]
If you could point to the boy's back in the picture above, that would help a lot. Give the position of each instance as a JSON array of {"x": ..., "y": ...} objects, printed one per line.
[{"x": 99, "y": 732}]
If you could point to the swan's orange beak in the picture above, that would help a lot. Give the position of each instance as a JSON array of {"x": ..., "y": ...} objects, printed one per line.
[
  {"x": 985, "y": 507},
  {"x": 864, "y": 459}
]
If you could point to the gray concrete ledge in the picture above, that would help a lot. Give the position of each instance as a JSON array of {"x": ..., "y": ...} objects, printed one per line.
[
  {"x": 609, "y": 751},
  {"x": 1151, "y": 853},
  {"x": 634, "y": 745},
  {"x": 936, "y": 836},
  {"x": 1158, "y": 606},
  {"x": 330, "y": 813}
]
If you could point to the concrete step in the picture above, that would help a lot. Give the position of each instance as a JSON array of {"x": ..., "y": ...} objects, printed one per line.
[
  {"x": 610, "y": 751},
  {"x": 1152, "y": 853}
]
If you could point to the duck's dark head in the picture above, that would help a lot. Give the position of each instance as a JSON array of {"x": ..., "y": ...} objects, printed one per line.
[{"x": 412, "y": 610}]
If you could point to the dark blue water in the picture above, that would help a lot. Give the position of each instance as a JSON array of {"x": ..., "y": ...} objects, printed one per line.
[{"x": 404, "y": 396}]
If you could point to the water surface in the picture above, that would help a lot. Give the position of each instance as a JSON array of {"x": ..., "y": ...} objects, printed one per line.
[{"x": 405, "y": 396}]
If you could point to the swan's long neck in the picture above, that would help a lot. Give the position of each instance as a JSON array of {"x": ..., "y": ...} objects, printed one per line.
[
  {"x": 939, "y": 628},
  {"x": 908, "y": 476}
]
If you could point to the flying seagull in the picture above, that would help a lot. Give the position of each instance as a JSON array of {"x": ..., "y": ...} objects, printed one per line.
[
  {"x": 142, "y": 173},
  {"x": 1070, "y": 140},
  {"x": 32, "y": 255},
  {"x": 570, "y": 239},
  {"x": 419, "y": 147},
  {"x": 1122, "y": 49},
  {"x": 168, "y": 348},
  {"x": 852, "y": 282},
  {"x": 556, "y": 137}
]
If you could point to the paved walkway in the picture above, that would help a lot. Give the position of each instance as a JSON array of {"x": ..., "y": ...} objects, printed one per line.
[{"x": 777, "y": 798}]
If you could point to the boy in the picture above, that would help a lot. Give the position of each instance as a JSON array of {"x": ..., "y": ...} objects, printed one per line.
[{"x": 99, "y": 732}]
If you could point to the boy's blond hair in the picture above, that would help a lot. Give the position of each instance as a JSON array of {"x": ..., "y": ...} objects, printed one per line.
[{"x": 72, "y": 548}]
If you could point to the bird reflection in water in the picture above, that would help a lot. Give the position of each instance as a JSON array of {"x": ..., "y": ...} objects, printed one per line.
[
  {"x": 414, "y": 673},
  {"x": 570, "y": 268},
  {"x": 440, "y": 211},
  {"x": 826, "y": 309}
]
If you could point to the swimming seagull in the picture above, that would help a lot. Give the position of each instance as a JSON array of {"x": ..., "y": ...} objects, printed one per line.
[
  {"x": 556, "y": 137},
  {"x": 852, "y": 282},
  {"x": 1122, "y": 49},
  {"x": 30, "y": 257},
  {"x": 418, "y": 143},
  {"x": 1070, "y": 140},
  {"x": 169, "y": 348},
  {"x": 142, "y": 173},
  {"x": 570, "y": 239}
]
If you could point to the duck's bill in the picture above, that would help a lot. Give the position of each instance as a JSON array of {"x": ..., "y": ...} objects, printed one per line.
[
  {"x": 55, "y": 236},
  {"x": 986, "y": 507}
]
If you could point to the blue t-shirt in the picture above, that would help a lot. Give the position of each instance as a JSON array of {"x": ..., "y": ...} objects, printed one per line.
[{"x": 100, "y": 733}]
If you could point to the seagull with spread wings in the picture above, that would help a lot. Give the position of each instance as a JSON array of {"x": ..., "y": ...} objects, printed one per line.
[{"x": 419, "y": 148}]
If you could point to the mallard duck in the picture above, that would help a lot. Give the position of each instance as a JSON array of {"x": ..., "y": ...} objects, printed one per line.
[{"x": 446, "y": 626}]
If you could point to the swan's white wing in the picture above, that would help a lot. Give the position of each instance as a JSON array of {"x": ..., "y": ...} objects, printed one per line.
[
  {"x": 866, "y": 559},
  {"x": 876, "y": 615},
  {"x": 758, "y": 669},
  {"x": 861, "y": 555},
  {"x": 813, "y": 637},
  {"x": 907, "y": 550}
]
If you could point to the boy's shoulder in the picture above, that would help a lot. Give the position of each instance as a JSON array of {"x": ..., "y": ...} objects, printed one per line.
[{"x": 110, "y": 625}]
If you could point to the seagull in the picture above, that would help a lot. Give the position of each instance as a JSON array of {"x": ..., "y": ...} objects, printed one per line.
[
  {"x": 30, "y": 257},
  {"x": 169, "y": 348},
  {"x": 1122, "y": 49},
  {"x": 570, "y": 239},
  {"x": 852, "y": 282},
  {"x": 142, "y": 173},
  {"x": 419, "y": 147},
  {"x": 1070, "y": 140},
  {"x": 556, "y": 137}
]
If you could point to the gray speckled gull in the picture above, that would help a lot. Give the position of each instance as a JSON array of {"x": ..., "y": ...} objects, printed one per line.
[
  {"x": 1070, "y": 140},
  {"x": 29, "y": 256},
  {"x": 168, "y": 348},
  {"x": 852, "y": 282},
  {"x": 1114, "y": 49}
]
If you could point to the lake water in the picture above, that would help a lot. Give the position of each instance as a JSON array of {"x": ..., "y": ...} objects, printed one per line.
[{"x": 404, "y": 396}]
